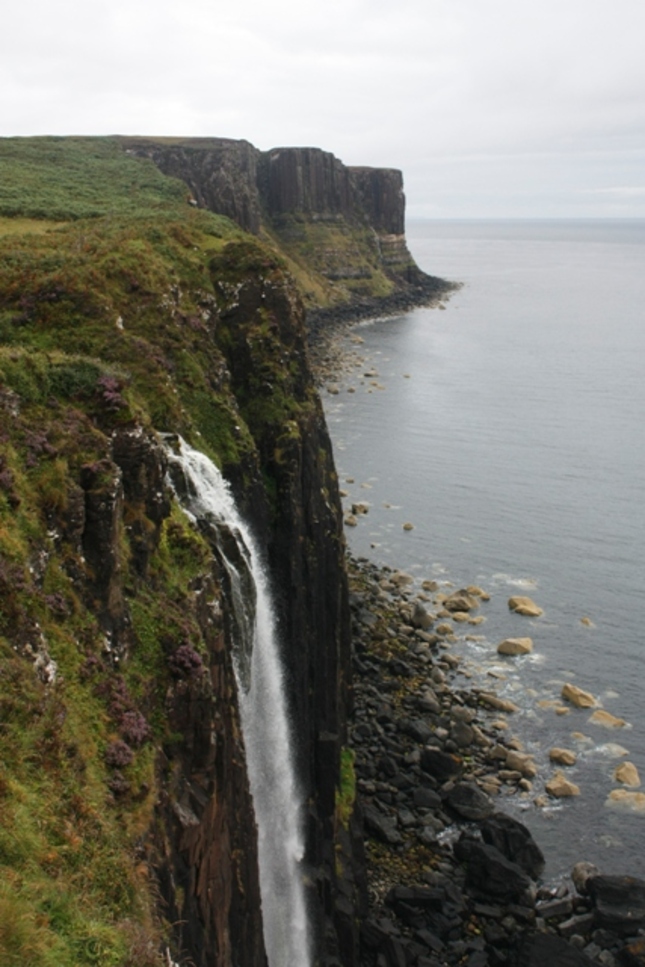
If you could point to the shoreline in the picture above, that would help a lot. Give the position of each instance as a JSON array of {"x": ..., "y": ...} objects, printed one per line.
[
  {"x": 420, "y": 824},
  {"x": 434, "y": 764}
]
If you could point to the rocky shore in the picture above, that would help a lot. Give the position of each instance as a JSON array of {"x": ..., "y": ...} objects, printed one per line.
[{"x": 451, "y": 878}]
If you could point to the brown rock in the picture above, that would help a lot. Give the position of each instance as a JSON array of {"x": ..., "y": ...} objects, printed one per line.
[
  {"x": 561, "y": 788},
  {"x": 526, "y": 606},
  {"x": 578, "y": 697},
  {"x": 607, "y": 720},
  {"x": 563, "y": 757},
  {"x": 627, "y": 773},
  {"x": 515, "y": 646}
]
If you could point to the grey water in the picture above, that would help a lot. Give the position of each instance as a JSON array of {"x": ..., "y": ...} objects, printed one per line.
[
  {"x": 508, "y": 429},
  {"x": 205, "y": 495}
]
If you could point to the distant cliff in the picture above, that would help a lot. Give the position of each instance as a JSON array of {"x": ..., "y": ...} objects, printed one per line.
[{"x": 341, "y": 229}]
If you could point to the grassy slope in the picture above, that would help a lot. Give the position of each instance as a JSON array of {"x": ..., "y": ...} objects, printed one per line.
[{"x": 107, "y": 304}]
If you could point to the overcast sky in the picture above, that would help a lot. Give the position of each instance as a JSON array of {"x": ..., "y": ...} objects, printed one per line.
[{"x": 492, "y": 108}]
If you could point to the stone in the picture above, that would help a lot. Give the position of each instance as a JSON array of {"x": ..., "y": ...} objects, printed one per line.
[
  {"x": 515, "y": 646},
  {"x": 561, "y": 788},
  {"x": 623, "y": 798},
  {"x": 460, "y": 601},
  {"x": 563, "y": 757},
  {"x": 521, "y": 762},
  {"x": 633, "y": 954},
  {"x": 380, "y": 826},
  {"x": 421, "y": 618},
  {"x": 490, "y": 874},
  {"x": 578, "y": 697},
  {"x": 408, "y": 526},
  {"x": 442, "y": 765},
  {"x": 581, "y": 874},
  {"x": 540, "y": 949},
  {"x": 500, "y": 704},
  {"x": 468, "y": 801},
  {"x": 557, "y": 907},
  {"x": 619, "y": 903},
  {"x": 351, "y": 520},
  {"x": 524, "y": 606},
  {"x": 424, "y": 798},
  {"x": 627, "y": 773},
  {"x": 606, "y": 720},
  {"x": 514, "y": 841}
]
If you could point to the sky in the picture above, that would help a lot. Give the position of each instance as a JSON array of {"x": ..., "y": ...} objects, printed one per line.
[{"x": 492, "y": 108}]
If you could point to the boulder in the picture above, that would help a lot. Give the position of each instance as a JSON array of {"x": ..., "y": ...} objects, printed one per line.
[
  {"x": 460, "y": 601},
  {"x": 469, "y": 802},
  {"x": 539, "y": 949},
  {"x": 515, "y": 646},
  {"x": 494, "y": 701},
  {"x": 521, "y": 762},
  {"x": 490, "y": 874},
  {"x": 442, "y": 765},
  {"x": 581, "y": 874},
  {"x": 380, "y": 826},
  {"x": 561, "y": 788},
  {"x": 627, "y": 773},
  {"x": 563, "y": 757},
  {"x": 607, "y": 720},
  {"x": 421, "y": 618},
  {"x": 525, "y": 606},
  {"x": 514, "y": 841},
  {"x": 619, "y": 903},
  {"x": 578, "y": 697},
  {"x": 623, "y": 798}
]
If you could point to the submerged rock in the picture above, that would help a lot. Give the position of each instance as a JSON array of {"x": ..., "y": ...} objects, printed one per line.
[
  {"x": 607, "y": 720},
  {"x": 563, "y": 757},
  {"x": 525, "y": 606},
  {"x": 577, "y": 696},
  {"x": 560, "y": 788},
  {"x": 627, "y": 773}
]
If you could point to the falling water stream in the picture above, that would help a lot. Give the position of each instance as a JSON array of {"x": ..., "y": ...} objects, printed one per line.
[{"x": 207, "y": 500}]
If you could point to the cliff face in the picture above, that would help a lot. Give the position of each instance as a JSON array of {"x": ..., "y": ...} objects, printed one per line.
[
  {"x": 341, "y": 229},
  {"x": 118, "y": 702}
]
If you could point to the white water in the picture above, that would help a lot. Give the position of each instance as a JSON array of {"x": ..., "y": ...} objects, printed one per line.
[{"x": 264, "y": 725}]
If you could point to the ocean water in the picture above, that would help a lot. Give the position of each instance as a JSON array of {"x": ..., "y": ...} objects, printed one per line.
[{"x": 508, "y": 428}]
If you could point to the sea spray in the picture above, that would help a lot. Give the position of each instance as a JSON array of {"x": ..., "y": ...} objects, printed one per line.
[{"x": 206, "y": 498}]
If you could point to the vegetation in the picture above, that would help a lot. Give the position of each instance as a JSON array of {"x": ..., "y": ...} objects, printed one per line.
[{"x": 121, "y": 307}]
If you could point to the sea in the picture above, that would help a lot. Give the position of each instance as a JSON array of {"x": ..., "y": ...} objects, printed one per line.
[{"x": 507, "y": 426}]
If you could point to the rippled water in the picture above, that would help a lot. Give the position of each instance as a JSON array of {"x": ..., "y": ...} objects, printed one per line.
[{"x": 508, "y": 429}]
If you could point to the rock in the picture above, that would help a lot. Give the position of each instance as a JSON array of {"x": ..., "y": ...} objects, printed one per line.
[
  {"x": 490, "y": 874},
  {"x": 540, "y": 949},
  {"x": 521, "y": 762},
  {"x": 380, "y": 826},
  {"x": 619, "y": 903},
  {"x": 556, "y": 907},
  {"x": 515, "y": 646},
  {"x": 494, "y": 701},
  {"x": 460, "y": 601},
  {"x": 634, "y": 801},
  {"x": 351, "y": 520},
  {"x": 563, "y": 757},
  {"x": 468, "y": 800},
  {"x": 578, "y": 697},
  {"x": 524, "y": 606},
  {"x": 514, "y": 841},
  {"x": 587, "y": 622},
  {"x": 633, "y": 954},
  {"x": 442, "y": 765},
  {"x": 627, "y": 773},
  {"x": 421, "y": 618},
  {"x": 476, "y": 592},
  {"x": 360, "y": 508},
  {"x": 561, "y": 788},
  {"x": 462, "y": 734},
  {"x": 581, "y": 873},
  {"x": 424, "y": 798},
  {"x": 607, "y": 720},
  {"x": 408, "y": 526}
]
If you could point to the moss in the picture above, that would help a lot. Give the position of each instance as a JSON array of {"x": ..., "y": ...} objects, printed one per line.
[{"x": 346, "y": 791}]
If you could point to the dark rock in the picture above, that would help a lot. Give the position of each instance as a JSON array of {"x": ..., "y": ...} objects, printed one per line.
[
  {"x": 468, "y": 801},
  {"x": 490, "y": 874},
  {"x": 580, "y": 924},
  {"x": 619, "y": 903},
  {"x": 555, "y": 908},
  {"x": 421, "y": 897},
  {"x": 380, "y": 826},
  {"x": 425, "y": 798},
  {"x": 547, "y": 950},
  {"x": 440, "y": 764},
  {"x": 633, "y": 955},
  {"x": 416, "y": 729},
  {"x": 514, "y": 840}
]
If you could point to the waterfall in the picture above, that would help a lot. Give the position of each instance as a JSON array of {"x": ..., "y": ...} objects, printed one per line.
[{"x": 206, "y": 499}]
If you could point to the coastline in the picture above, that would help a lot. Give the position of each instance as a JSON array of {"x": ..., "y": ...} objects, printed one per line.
[{"x": 420, "y": 823}]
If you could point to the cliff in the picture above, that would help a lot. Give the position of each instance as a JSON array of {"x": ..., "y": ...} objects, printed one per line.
[
  {"x": 341, "y": 229},
  {"x": 128, "y": 834}
]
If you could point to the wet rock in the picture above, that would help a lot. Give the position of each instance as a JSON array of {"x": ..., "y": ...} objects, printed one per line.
[
  {"x": 524, "y": 606},
  {"x": 421, "y": 618},
  {"x": 619, "y": 903},
  {"x": 581, "y": 874},
  {"x": 634, "y": 801},
  {"x": 468, "y": 801},
  {"x": 424, "y": 798},
  {"x": 521, "y": 762},
  {"x": 460, "y": 601},
  {"x": 494, "y": 701},
  {"x": 514, "y": 841},
  {"x": 563, "y": 757},
  {"x": 577, "y": 696},
  {"x": 627, "y": 773},
  {"x": 606, "y": 719},
  {"x": 515, "y": 646},
  {"x": 560, "y": 788}
]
